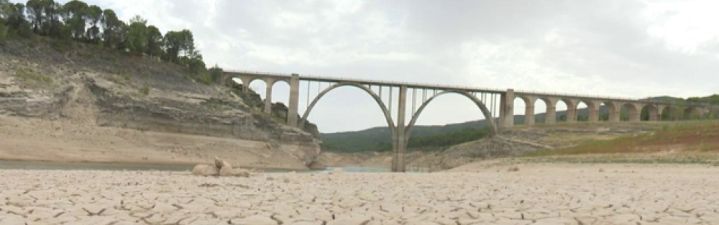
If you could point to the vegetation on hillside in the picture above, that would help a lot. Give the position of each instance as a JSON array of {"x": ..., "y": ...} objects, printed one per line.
[
  {"x": 440, "y": 137},
  {"x": 79, "y": 22},
  {"x": 682, "y": 137}
]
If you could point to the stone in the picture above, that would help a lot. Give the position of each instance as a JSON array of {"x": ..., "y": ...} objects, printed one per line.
[
  {"x": 205, "y": 170},
  {"x": 219, "y": 163},
  {"x": 237, "y": 172}
]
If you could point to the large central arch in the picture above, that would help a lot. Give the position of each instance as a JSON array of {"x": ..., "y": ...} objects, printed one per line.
[
  {"x": 377, "y": 98},
  {"x": 487, "y": 115}
]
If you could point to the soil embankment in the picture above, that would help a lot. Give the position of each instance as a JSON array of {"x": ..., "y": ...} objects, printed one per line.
[{"x": 91, "y": 104}]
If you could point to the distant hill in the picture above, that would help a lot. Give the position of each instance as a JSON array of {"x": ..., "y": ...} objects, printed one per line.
[{"x": 442, "y": 136}]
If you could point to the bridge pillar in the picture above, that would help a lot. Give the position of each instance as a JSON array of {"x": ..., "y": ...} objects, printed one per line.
[
  {"x": 593, "y": 108},
  {"x": 294, "y": 100},
  {"x": 529, "y": 110},
  {"x": 398, "y": 163},
  {"x": 268, "y": 95},
  {"x": 635, "y": 115},
  {"x": 506, "y": 110},
  {"x": 245, "y": 84},
  {"x": 551, "y": 116},
  {"x": 614, "y": 111},
  {"x": 571, "y": 110},
  {"x": 658, "y": 115}
]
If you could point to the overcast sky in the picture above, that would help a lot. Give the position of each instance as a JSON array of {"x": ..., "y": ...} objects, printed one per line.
[{"x": 631, "y": 48}]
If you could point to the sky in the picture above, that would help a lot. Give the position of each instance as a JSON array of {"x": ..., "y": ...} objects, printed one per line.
[{"x": 627, "y": 48}]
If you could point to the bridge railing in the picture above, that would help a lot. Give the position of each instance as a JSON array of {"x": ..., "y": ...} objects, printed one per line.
[{"x": 462, "y": 87}]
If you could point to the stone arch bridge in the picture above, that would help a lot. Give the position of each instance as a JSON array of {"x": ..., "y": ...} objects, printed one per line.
[{"x": 402, "y": 103}]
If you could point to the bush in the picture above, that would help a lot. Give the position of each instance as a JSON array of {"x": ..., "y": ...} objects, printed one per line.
[{"x": 3, "y": 31}]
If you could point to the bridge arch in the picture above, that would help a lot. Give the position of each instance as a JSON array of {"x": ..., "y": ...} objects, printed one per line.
[
  {"x": 550, "y": 104},
  {"x": 693, "y": 112},
  {"x": 583, "y": 110},
  {"x": 630, "y": 112},
  {"x": 483, "y": 108},
  {"x": 528, "y": 102},
  {"x": 377, "y": 98},
  {"x": 650, "y": 112}
]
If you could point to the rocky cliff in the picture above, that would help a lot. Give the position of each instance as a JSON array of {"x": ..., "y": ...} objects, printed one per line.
[{"x": 88, "y": 88}]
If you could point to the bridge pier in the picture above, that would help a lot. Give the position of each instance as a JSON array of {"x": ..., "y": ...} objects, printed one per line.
[
  {"x": 593, "y": 108},
  {"x": 571, "y": 110},
  {"x": 506, "y": 109},
  {"x": 398, "y": 163},
  {"x": 551, "y": 116},
  {"x": 294, "y": 100},
  {"x": 529, "y": 110},
  {"x": 268, "y": 95},
  {"x": 614, "y": 111},
  {"x": 635, "y": 112}
]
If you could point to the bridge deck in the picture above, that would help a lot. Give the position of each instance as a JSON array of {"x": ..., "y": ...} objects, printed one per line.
[{"x": 453, "y": 88}]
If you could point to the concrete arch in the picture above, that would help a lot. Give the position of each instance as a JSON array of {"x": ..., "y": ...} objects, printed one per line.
[
  {"x": 529, "y": 102},
  {"x": 631, "y": 111},
  {"x": 479, "y": 103},
  {"x": 571, "y": 112},
  {"x": 566, "y": 106},
  {"x": 376, "y": 97},
  {"x": 613, "y": 111},
  {"x": 693, "y": 112},
  {"x": 550, "y": 117},
  {"x": 650, "y": 112},
  {"x": 579, "y": 115}
]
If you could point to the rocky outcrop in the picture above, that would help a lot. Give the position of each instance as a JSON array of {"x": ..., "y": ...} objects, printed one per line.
[{"x": 104, "y": 88}]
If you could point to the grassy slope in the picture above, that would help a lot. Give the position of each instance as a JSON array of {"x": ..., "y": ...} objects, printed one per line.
[{"x": 682, "y": 142}]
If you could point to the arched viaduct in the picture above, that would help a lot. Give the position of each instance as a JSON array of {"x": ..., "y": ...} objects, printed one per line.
[{"x": 401, "y": 101}]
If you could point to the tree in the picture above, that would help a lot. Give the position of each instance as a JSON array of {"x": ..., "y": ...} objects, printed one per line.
[
  {"x": 15, "y": 19},
  {"x": 4, "y": 7},
  {"x": 137, "y": 35},
  {"x": 112, "y": 29},
  {"x": 154, "y": 41},
  {"x": 93, "y": 16},
  {"x": 44, "y": 16},
  {"x": 74, "y": 13},
  {"x": 35, "y": 13},
  {"x": 178, "y": 44},
  {"x": 216, "y": 73}
]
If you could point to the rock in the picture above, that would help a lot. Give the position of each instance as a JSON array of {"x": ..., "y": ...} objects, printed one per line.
[
  {"x": 219, "y": 163},
  {"x": 205, "y": 170},
  {"x": 237, "y": 172}
]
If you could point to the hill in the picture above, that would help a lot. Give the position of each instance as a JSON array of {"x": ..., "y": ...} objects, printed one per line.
[
  {"x": 432, "y": 138},
  {"x": 91, "y": 103}
]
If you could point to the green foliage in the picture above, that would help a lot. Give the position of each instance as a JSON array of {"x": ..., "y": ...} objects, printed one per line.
[
  {"x": 216, "y": 74},
  {"x": 32, "y": 78},
  {"x": 145, "y": 90},
  {"x": 93, "y": 16},
  {"x": 74, "y": 13},
  {"x": 3, "y": 31},
  {"x": 154, "y": 41},
  {"x": 137, "y": 35},
  {"x": 76, "y": 20},
  {"x": 178, "y": 44},
  {"x": 113, "y": 29},
  {"x": 448, "y": 139}
]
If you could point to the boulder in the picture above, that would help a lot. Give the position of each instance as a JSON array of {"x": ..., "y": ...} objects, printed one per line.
[
  {"x": 205, "y": 170},
  {"x": 219, "y": 163}
]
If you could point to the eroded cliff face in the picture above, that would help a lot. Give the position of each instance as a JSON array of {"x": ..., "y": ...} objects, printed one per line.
[{"x": 95, "y": 88}]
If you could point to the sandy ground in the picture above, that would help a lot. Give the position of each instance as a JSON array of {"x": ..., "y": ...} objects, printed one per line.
[
  {"x": 73, "y": 141},
  {"x": 480, "y": 194}
]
